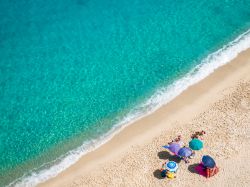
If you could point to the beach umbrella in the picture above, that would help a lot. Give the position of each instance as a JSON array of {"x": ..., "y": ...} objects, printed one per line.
[
  {"x": 208, "y": 161},
  {"x": 185, "y": 152},
  {"x": 196, "y": 144},
  {"x": 172, "y": 166},
  {"x": 173, "y": 147}
]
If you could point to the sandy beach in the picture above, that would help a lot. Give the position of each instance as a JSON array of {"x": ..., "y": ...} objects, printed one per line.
[{"x": 219, "y": 104}]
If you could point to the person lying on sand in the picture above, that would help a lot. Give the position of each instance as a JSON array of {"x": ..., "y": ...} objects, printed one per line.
[
  {"x": 186, "y": 160},
  {"x": 202, "y": 133},
  {"x": 171, "y": 142},
  {"x": 192, "y": 155},
  {"x": 177, "y": 140},
  {"x": 198, "y": 135}
]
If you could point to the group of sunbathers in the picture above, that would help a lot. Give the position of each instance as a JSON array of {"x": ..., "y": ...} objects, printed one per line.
[
  {"x": 206, "y": 171},
  {"x": 198, "y": 135}
]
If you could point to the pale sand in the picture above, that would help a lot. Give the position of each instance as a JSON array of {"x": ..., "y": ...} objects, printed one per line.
[{"x": 219, "y": 104}]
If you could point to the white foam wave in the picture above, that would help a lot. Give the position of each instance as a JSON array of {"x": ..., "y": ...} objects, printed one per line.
[{"x": 160, "y": 98}]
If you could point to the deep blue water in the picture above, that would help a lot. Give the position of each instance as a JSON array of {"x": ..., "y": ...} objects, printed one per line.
[{"x": 70, "y": 69}]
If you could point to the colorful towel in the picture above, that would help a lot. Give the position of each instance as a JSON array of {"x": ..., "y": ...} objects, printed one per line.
[
  {"x": 200, "y": 170},
  {"x": 206, "y": 172}
]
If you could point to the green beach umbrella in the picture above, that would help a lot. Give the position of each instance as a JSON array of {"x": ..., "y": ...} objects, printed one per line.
[{"x": 196, "y": 144}]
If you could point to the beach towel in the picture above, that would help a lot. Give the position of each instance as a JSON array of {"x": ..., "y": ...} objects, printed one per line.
[
  {"x": 200, "y": 170},
  {"x": 206, "y": 172}
]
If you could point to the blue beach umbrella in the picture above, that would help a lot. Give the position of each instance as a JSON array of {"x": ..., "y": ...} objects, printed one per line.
[
  {"x": 173, "y": 147},
  {"x": 208, "y": 161},
  {"x": 185, "y": 152},
  {"x": 172, "y": 166},
  {"x": 196, "y": 144}
]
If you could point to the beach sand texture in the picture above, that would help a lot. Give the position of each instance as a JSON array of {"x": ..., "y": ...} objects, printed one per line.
[{"x": 219, "y": 104}]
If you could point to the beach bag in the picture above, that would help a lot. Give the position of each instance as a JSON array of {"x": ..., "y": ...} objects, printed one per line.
[
  {"x": 170, "y": 175},
  {"x": 211, "y": 171}
]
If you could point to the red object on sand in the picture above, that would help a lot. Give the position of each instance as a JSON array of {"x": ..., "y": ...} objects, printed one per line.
[
  {"x": 208, "y": 172},
  {"x": 211, "y": 171}
]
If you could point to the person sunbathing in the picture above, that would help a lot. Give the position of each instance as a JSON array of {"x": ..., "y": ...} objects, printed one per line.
[
  {"x": 177, "y": 140},
  {"x": 186, "y": 160},
  {"x": 192, "y": 155},
  {"x": 171, "y": 142},
  {"x": 198, "y": 135},
  {"x": 201, "y": 133}
]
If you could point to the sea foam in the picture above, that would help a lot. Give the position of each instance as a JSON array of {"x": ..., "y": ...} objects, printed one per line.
[{"x": 160, "y": 98}]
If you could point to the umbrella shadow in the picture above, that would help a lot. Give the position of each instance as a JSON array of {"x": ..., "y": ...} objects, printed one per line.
[
  {"x": 192, "y": 169},
  {"x": 167, "y": 156},
  {"x": 157, "y": 174}
]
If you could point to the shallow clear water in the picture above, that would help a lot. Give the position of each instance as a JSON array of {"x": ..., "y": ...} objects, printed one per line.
[{"x": 71, "y": 69}]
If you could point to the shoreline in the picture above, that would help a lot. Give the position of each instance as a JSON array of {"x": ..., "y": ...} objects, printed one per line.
[
  {"x": 160, "y": 98},
  {"x": 143, "y": 131}
]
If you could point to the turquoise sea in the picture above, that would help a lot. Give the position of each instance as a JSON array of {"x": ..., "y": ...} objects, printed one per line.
[{"x": 73, "y": 72}]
